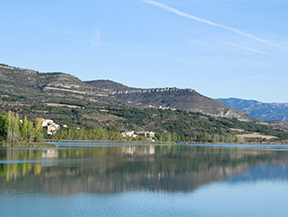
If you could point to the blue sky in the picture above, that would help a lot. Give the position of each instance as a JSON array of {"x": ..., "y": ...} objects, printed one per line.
[{"x": 219, "y": 48}]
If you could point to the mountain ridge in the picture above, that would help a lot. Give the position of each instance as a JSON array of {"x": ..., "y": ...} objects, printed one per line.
[
  {"x": 171, "y": 97},
  {"x": 66, "y": 85},
  {"x": 259, "y": 110},
  {"x": 55, "y": 81},
  {"x": 167, "y": 111}
]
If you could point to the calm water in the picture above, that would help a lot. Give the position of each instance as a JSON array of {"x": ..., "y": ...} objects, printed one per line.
[{"x": 144, "y": 180}]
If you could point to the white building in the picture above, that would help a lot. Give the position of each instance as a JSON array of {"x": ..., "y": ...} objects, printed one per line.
[
  {"x": 129, "y": 133},
  {"x": 51, "y": 127},
  {"x": 148, "y": 134}
]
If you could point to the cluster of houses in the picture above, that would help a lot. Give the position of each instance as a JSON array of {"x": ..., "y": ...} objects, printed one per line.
[
  {"x": 148, "y": 134},
  {"x": 50, "y": 126}
]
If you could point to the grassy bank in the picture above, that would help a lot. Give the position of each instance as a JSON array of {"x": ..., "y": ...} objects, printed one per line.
[
  {"x": 27, "y": 145},
  {"x": 285, "y": 142},
  {"x": 99, "y": 141},
  {"x": 46, "y": 144}
]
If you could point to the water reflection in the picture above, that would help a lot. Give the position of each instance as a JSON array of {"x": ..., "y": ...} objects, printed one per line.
[{"x": 161, "y": 168}]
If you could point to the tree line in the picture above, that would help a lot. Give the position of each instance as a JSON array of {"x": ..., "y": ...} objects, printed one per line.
[
  {"x": 206, "y": 138},
  {"x": 13, "y": 130},
  {"x": 94, "y": 133}
]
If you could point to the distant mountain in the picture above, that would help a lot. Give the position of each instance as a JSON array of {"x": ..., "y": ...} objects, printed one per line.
[
  {"x": 174, "y": 98},
  {"x": 259, "y": 110}
]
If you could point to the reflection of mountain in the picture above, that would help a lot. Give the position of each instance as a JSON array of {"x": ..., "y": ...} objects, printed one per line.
[
  {"x": 117, "y": 169},
  {"x": 262, "y": 172}
]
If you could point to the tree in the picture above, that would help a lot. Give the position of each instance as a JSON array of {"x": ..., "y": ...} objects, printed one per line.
[
  {"x": 25, "y": 130},
  {"x": 38, "y": 135},
  {"x": 13, "y": 131},
  {"x": 215, "y": 138},
  {"x": 3, "y": 127}
]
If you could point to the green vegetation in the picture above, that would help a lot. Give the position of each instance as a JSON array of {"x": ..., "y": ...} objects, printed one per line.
[
  {"x": 67, "y": 100},
  {"x": 169, "y": 126},
  {"x": 14, "y": 131},
  {"x": 180, "y": 125},
  {"x": 95, "y": 133},
  {"x": 92, "y": 134}
]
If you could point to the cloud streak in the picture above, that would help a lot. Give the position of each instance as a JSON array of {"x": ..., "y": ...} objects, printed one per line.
[
  {"x": 180, "y": 13},
  {"x": 96, "y": 41},
  {"x": 240, "y": 80},
  {"x": 242, "y": 47}
]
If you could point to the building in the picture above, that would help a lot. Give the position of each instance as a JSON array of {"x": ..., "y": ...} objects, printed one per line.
[
  {"x": 50, "y": 126},
  {"x": 129, "y": 133},
  {"x": 148, "y": 134}
]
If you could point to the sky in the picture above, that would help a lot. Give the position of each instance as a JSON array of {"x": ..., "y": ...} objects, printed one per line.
[{"x": 222, "y": 49}]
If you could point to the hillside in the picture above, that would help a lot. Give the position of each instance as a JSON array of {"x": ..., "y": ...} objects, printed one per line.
[
  {"x": 67, "y": 100},
  {"x": 174, "y": 98},
  {"x": 111, "y": 86},
  {"x": 52, "y": 83},
  {"x": 33, "y": 94},
  {"x": 28, "y": 87},
  {"x": 25, "y": 85},
  {"x": 259, "y": 110}
]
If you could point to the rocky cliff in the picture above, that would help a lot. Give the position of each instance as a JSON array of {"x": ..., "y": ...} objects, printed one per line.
[{"x": 173, "y": 98}]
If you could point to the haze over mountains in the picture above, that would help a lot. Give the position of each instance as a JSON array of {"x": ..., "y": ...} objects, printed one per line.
[{"x": 259, "y": 110}]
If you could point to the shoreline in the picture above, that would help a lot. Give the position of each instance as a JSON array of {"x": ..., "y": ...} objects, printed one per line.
[
  {"x": 27, "y": 145},
  {"x": 49, "y": 143},
  {"x": 159, "y": 142}
]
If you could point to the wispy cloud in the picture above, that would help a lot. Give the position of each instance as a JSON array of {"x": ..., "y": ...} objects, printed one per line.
[
  {"x": 180, "y": 13},
  {"x": 242, "y": 47},
  {"x": 241, "y": 80},
  {"x": 95, "y": 41}
]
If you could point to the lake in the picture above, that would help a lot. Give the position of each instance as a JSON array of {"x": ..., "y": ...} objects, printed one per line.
[{"x": 87, "y": 179}]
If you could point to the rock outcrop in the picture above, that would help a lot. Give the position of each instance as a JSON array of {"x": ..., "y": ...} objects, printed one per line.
[{"x": 174, "y": 98}]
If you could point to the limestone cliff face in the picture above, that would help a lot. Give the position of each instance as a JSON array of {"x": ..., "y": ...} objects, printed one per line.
[
  {"x": 173, "y": 98},
  {"x": 153, "y": 90}
]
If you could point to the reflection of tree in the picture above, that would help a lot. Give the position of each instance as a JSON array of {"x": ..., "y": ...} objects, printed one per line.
[
  {"x": 116, "y": 169},
  {"x": 13, "y": 170}
]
